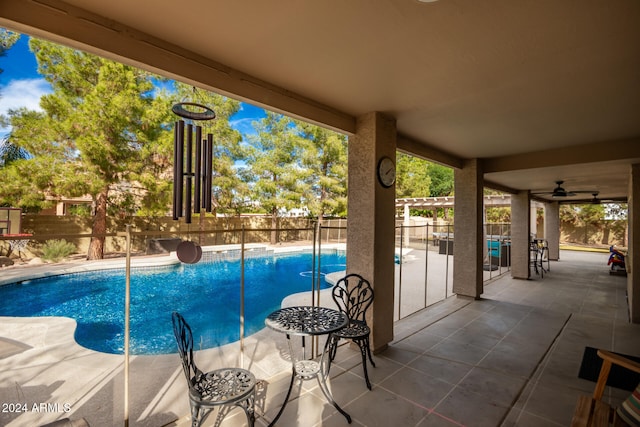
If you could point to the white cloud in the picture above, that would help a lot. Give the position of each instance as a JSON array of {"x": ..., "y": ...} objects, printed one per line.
[
  {"x": 244, "y": 125},
  {"x": 22, "y": 93}
]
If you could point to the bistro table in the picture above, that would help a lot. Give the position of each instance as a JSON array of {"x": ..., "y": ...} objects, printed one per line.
[{"x": 306, "y": 321}]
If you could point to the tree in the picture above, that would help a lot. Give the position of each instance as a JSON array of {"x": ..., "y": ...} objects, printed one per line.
[
  {"x": 89, "y": 139},
  {"x": 578, "y": 215},
  {"x": 8, "y": 151},
  {"x": 324, "y": 157},
  {"x": 274, "y": 164},
  {"x": 7, "y": 39},
  {"x": 412, "y": 176},
  {"x": 442, "y": 181}
]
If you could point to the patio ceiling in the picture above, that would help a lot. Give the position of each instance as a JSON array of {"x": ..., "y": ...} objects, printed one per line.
[{"x": 544, "y": 90}]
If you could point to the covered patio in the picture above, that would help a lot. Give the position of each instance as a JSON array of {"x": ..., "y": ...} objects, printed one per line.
[
  {"x": 511, "y": 358},
  {"x": 513, "y": 96}
]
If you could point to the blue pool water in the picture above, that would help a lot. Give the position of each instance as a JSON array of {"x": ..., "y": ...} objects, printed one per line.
[{"x": 207, "y": 294}]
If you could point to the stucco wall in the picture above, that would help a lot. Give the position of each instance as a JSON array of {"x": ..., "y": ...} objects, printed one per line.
[{"x": 45, "y": 227}]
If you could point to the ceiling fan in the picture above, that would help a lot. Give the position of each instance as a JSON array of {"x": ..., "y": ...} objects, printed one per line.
[
  {"x": 598, "y": 201},
  {"x": 560, "y": 192}
]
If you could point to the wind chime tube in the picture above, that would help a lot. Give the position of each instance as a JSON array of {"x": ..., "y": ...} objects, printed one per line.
[
  {"x": 197, "y": 202},
  {"x": 179, "y": 168},
  {"x": 180, "y": 199},
  {"x": 189, "y": 173},
  {"x": 209, "y": 172},
  {"x": 176, "y": 181}
]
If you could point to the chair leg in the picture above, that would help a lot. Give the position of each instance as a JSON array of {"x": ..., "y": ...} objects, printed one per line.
[
  {"x": 369, "y": 353},
  {"x": 248, "y": 406},
  {"x": 364, "y": 351},
  {"x": 333, "y": 347},
  {"x": 195, "y": 414}
]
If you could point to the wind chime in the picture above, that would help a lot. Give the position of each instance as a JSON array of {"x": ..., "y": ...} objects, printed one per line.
[{"x": 192, "y": 172}]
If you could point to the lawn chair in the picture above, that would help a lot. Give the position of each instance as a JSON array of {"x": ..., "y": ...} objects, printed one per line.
[{"x": 591, "y": 411}]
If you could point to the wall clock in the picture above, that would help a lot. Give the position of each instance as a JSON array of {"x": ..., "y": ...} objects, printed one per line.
[{"x": 386, "y": 172}]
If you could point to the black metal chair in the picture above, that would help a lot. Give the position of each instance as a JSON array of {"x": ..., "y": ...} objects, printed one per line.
[
  {"x": 535, "y": 258},
  {"x": 353, "y": 294},
  {"x": 208, "y": 390}
]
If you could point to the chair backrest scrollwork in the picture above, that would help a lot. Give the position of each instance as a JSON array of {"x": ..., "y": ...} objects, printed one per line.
[
  {"x": 353, "y": 294},
  {"x": 184, "y": 339}
]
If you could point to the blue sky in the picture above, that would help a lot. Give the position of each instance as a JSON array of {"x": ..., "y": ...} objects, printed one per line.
[{"x": 22, "y": 86}]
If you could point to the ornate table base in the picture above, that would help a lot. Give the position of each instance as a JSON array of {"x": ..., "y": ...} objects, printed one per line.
[{"x": 308, "y": 321}]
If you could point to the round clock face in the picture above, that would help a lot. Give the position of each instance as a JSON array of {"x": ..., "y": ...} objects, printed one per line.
[{"x": 386, "y": 172}]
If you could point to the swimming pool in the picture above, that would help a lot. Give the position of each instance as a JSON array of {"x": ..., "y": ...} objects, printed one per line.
[{"x": 207, "y": 294}]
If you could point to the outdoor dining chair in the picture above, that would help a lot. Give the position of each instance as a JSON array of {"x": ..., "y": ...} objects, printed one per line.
[
  {"x": 353, "y": 294},
  {"x": 216, "y": 389}
]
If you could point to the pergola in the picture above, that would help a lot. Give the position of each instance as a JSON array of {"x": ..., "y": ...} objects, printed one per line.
[{"x": 512, "y": 95}]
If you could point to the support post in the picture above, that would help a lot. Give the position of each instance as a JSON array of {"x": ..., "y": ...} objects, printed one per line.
[
  {"x": 520, "y": 234},
  {"x": 552, "y": 229},
  {"x": 371, "y": 230},
  {"x": 467, "y": 230}
]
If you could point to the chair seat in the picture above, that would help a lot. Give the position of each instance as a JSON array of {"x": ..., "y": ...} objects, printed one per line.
[
  {"x": 223, "y": 386},
  {"x": 353, "y": 330}
]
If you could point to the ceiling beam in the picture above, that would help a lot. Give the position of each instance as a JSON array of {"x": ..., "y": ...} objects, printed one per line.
[
  {"x": 577, "y": 154},
  {"x": 413, "y": 147},
  {"x": 499, "y": 187},
  {"x": 75, "y": 27}
]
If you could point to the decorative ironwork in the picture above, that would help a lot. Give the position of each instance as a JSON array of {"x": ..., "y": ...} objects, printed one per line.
[
  {"x": 199, "y": 176},
  {"x": 354, "y": 295},
  {"x": 226, "y": 386},
  {"x": 306, "y": 320},
  {"x": 223, "y": 385}
]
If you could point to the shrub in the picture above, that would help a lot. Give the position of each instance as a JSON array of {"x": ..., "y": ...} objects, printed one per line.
[{"x": 55, "y": 250}]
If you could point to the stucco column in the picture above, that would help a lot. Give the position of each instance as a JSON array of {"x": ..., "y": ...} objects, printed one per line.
[
  {"x": 371, "y": 220},
  {"x": 520, "y": 234},
  {"x": 533, "y": 217},
  {"x": 467, "y": 229},
  {"x": 552, "y": 229},
  {"x": 632, "y": 262}
]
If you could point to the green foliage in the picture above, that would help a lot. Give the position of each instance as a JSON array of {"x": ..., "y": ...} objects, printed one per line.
[
  {"x": 442, "y": 180},
  {"x": 498, "y": 214},
  {"x": 9, "y": 153},
  {"x": 417, "y": 177},
  {"x": 82, "y": 210},
  {"x": 412, "y": 178},
  {"x": 55, "y": 250},
  {"x": 275, "y": 164},
  {"x": 581, "y": 214},
  {"x": 7, "y": 39},
  {"x": 98, "y": 130},
  {"x": 324, "y": 159}
]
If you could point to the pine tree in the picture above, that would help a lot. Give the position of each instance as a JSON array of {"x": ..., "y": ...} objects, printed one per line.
[
  {"x": 275, "y": 166},
  {"x": 89, "y": 139}
]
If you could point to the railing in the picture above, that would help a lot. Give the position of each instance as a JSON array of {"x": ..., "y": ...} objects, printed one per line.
[
  {"x": 423, "y": 269},
  {"x": 423, "y": 254},
  {"x": 424, "y": 263}
]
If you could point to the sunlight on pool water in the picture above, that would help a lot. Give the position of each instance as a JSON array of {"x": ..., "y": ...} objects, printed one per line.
[{"x": 207, "y": 294}]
